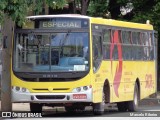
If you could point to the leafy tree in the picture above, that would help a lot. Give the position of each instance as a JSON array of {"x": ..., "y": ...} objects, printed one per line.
[
  {"x": 15, "y": 9},
  {"x": 18, "y": 9},
  {"x": 56, "y": 3},
  {"x": 79, "y": 6},
  {"x": 98, "y": 8},
  {"x": 156, "y": 16},
  {"x": 141, "y": 11},
  {"x": 84, "y": 6}
]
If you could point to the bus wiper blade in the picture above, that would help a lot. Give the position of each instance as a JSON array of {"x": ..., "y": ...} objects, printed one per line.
[{"x": 65, "y": 38}]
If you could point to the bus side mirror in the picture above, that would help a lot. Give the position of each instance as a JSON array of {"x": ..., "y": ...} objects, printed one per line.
[{"x": 4, "y": 42}]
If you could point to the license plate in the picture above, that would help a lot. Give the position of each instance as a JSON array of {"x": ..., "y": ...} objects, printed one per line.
[{"x": 79, "y": 96}]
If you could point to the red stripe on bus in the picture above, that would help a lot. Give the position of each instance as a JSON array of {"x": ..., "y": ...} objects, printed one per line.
[{"x": 118, "y": 73}]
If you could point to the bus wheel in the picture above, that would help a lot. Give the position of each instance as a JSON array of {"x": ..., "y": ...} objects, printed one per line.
[
  {"x": 36, "y": 107},
  {"x": 98, "y": 108},
  {"x": 133, "y": 105},
  {"x": 122, "y": 106}
]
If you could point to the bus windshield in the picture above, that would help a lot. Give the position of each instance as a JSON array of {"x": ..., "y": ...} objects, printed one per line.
[{"x": 51, "y": 52}]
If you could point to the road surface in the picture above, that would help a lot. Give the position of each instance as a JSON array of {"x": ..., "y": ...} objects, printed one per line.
[{"x": 148, "y": 108}]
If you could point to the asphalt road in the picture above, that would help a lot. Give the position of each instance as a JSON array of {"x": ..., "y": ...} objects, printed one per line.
[
  {"x": 59, "y": 112},
  {"x": 149, "y": 109},
  {"x": 145, "y": 112}
]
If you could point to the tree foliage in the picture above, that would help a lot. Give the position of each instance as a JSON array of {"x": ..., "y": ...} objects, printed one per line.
[
  {"x": 18, "y": 9},
  {"x": 98, "y": 8},
  {"x": 142, "y": 9},
  {"x": 56, "y": 3}
]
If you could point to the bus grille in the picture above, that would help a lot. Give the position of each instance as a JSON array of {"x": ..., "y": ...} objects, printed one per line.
[
  {"x": 47, "y": 90},
  {"x": 42, "y": 97},
  {"x": 50, "y": 79}
]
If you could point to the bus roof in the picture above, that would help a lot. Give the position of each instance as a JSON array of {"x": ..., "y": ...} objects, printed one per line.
[
  {"x": 60, "y": 15},
  {"x": 101, "y": 21},
  {"x": 123, "y": 24}
]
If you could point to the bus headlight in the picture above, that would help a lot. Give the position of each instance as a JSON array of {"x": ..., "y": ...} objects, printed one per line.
[
  {"x": 85, "y": 88},
  {"x": 81, "y": 89},
  {"x": 20, "y": 89},
  {"x": 78, "y": 89},
  {"x": 17, "y": 88},
  {"x": 24, "y": 89}
]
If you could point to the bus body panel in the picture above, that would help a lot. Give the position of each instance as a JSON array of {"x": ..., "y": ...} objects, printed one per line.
[
  {"x": 121, "y": 24},
  {"x": 50, "y": 88},
  {"x": 121, "y": 84}
]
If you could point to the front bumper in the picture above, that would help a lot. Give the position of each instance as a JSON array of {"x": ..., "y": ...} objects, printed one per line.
[{"x": 18, "y": 97}]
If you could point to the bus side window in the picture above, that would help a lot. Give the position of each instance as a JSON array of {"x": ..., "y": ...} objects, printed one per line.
[
  {"x": 151, "y": 48},
  {"x": 106, "y": 44},
  {"x": 126, "y": 45},
  {"x": 154, "y": 45},
  {"x": 145, "y": 43},
  {"x": 97, "y": 51},
  {"x": 136, "y": 50}
]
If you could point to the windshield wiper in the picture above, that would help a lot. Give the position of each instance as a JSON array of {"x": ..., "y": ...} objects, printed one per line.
[{"x": 63, "y": 41}]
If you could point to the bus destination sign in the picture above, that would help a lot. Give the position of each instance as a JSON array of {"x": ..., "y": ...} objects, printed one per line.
[{"x": 60, "y": 24}]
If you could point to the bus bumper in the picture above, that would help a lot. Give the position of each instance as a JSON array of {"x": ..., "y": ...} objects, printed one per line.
[{"x": 85, "y": 96}]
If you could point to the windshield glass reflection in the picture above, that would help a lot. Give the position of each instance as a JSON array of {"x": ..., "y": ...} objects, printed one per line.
[{"x": 51, "y": 52}]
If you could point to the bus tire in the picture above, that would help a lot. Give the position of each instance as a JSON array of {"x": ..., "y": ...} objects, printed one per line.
[
  {"x": 36, "y": 107},
  {"x": 98, "y": 108},
  {"x": 122, "y": 106},
  {"x": 133, "y": 105}
]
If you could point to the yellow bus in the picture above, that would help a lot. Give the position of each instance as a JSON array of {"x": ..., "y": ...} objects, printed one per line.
[{"x": 77, "y": 61}]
